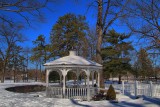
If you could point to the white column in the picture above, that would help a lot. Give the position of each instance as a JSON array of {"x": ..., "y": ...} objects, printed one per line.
[
  {"x": 92, "y": 78},
  {"x": 136, "y": 88},
  {"x": 64, "y": 85},
  {"x": 151, "y": 88},
  {"x": 64, "y": 73},
  {"x": 88, "y": 88},
  {"x": 123, "y": 87},
  {"x": 98, "y": 79},
  {"x": 47, "y": 77}
]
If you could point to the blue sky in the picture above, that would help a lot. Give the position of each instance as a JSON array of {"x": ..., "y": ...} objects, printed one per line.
[{"x": 60, "y": 8}]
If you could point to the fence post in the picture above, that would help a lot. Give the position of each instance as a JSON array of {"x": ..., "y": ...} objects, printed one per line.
[
  {"x": 151, "y": 88},
  {"x": 123, "y": 87},
  {"x": 136, "y": 88}
]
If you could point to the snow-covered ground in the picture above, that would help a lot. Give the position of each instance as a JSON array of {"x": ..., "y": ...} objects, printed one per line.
[{"x": 11, "y": 99}]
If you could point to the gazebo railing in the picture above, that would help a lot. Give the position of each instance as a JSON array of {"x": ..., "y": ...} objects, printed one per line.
[
  {"x": 76, "y": 93},
  {"x": 54, "y": 92},
  {"x": 70, "y": 93}
]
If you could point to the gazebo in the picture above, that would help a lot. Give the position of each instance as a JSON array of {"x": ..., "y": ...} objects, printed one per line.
[{"x": 76, "y": 64}]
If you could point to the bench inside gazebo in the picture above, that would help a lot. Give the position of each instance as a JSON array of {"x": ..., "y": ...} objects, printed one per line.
[{"x": 76, "y": 64}]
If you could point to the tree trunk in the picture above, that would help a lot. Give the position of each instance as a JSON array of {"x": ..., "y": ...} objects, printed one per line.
[
  {"x": 36, "y": 73},
  {"x": 3, "y": 75},
  {"x": 14, "y": 76},
  {"x": 99, "y": 32},
  {"x": 3, "y": 72},
  {"x": 40, "y": 72},
  {"x": 119, "y": 81}
]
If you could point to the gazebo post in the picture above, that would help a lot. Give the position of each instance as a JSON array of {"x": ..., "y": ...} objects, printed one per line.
[
  {"x": 88, "y": 88},
  {"x": 92, "y": 78},
  {"x": 47, "y": 77},
  {"x": 64, "y": 85},
  {"x": 64, "y": 73},
  {"x": 98, "y": 79}
]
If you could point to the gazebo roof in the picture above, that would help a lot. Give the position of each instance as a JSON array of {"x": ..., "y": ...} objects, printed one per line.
[{"x": 73, "y": 60}]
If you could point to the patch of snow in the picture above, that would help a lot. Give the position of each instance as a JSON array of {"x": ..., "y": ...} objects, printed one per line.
[{"x": 38, "y": 99}]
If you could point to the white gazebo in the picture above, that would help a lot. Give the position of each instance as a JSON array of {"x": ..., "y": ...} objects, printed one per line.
[{"x": 76, "y": 64}]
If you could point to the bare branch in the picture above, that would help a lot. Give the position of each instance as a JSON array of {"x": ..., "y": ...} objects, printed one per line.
[
  {"x": 90, "y": 5},
  {"x": 106, "y": 13},
  {"x": 22, "y": 8},
  {"x": 25, "y": 17}
]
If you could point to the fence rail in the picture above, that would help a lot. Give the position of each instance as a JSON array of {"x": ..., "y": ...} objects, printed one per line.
[{"x": 138, "y": 88}]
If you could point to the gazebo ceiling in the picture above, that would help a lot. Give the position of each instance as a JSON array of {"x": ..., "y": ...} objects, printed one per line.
[{"x": 73, "y": 61}]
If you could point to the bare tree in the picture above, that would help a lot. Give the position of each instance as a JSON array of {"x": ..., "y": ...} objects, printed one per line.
[
  {"x": 92, "y": 40},
  {"x": 26, "y": 9},
  {"x": 26, "y": 54},
  {"x": 144, "y": 20},
  {"x": 9, "y": 36},
  {"x": 11, "y": 10}
]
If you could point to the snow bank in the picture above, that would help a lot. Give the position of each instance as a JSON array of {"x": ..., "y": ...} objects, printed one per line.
[{"x": 11, "y": 99}]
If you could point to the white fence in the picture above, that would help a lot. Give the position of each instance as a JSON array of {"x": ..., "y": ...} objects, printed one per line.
[
  {"x": 138, "y": 88},
  {"x": 71, "y": 93}
]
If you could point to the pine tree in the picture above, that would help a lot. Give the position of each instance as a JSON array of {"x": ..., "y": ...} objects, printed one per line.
[
  {"x": 40, "y": 52},
  {"x": 69, "y": 33},
  {"x": 111, "y": 94},
  {"x": 115, "y": 54},
  {"x": 145, "y": 64}
]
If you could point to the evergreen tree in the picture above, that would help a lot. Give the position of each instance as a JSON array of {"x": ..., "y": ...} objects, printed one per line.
[
  {"x": 69, "y": 33},
  {"x": 40, "y": 52},
  {"x": 144, "y": 64},
  {"x": 115, "y": 53},
  {"x": 111, "y": 94},
  {"x": 108, "y": 12}
]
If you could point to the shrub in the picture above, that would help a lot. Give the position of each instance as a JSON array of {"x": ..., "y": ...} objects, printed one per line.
[{"x": 111, "y": 95}]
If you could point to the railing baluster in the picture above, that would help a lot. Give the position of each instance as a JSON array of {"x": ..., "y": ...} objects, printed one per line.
[
  {"x": 69, "y": 93},
  {"x": 80, "y": 91}
]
